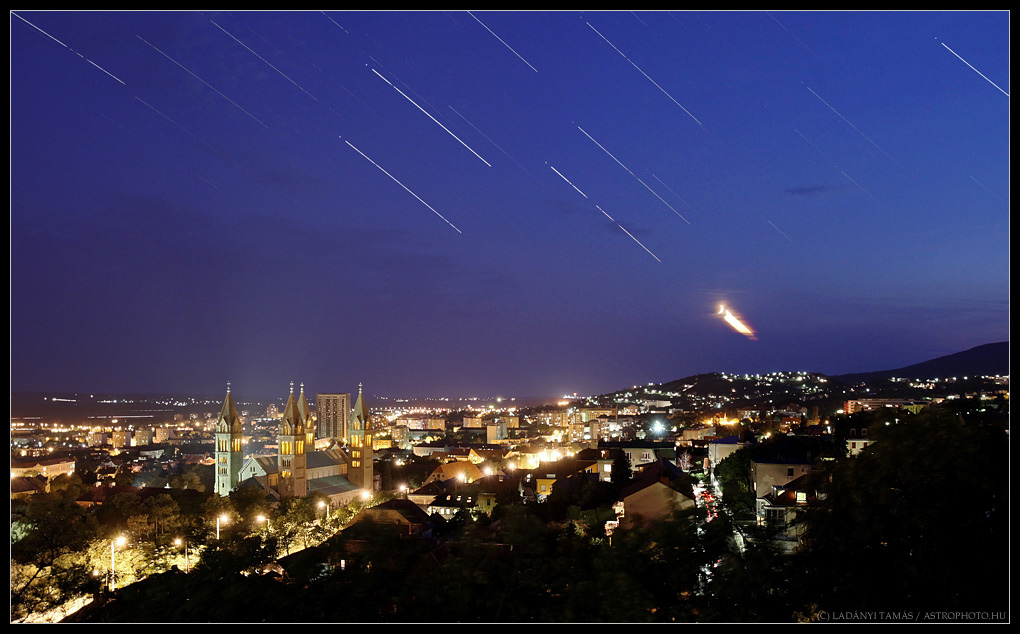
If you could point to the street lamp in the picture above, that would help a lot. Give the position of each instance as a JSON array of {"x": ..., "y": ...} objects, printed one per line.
[
  {"x": 221, "y": 518},
  {"x": 119, "y": 541},
  {"x": 323, "y": 504},
  {"x": 178, "y": 542},
  {"x": 263, "y": 518}
]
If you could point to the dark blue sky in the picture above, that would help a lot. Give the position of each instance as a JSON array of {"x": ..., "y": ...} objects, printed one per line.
[{"x": 517, "y": 203}]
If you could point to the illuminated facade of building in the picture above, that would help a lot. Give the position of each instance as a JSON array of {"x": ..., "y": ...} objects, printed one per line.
[
  {"x": 297, "y": 470},
  {"x": 297, "y": 432},
  {"x": 333, "y": 414},
  {"x": 229, "y": 436},
  {"x": 360, "y": 472}
]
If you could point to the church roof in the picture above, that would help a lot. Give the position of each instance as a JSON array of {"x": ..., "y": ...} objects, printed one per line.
[
  {"x": 331, "y": 485},
  {"x": 302, "y": 405},
  {"x": 291, "y": 423},
  {"x": 228, "y": 414},
  {"x": 264, "y": 465},
  {"x": 360, "y": 412},
  {"x": 329, "y": 457}
]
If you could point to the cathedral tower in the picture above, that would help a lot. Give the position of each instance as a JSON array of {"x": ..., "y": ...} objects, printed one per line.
[
  {"x": 229, "y": 435},
  {"x": 360, "y": 471},
  {"x": 292, "y": 447}
]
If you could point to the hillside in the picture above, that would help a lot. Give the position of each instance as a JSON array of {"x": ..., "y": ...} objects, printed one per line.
[
  {"x": 729, "y": 391},
  {"x": 990, "y": 359}
]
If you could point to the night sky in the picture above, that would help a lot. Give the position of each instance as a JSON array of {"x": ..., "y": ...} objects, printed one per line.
[{"x": 515, "y": 203}]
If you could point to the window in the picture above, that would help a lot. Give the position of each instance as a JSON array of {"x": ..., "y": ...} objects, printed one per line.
[
  {"x": 789, "y": 472},
  {"x": 775, "y": 516}
]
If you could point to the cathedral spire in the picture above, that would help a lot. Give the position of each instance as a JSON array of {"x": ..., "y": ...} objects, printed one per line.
[{"x": 228, "y": 414}]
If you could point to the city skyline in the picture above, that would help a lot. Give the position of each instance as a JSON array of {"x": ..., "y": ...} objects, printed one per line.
[{"x": 527, "y": 203}]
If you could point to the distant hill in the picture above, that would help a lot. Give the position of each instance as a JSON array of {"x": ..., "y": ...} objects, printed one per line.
[{"x": 987, "y": 360}]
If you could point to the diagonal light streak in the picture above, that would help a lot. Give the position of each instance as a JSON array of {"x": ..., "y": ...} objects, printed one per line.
[
  {"x": 645, "y": 74},
  {"x": 430, "y": 117},
  {"x": 850, "y": 124},
  {"x": 491, "y": 141},
  {"x": 858, "y": 186},
  {"x": 673, "y": 192},
  {"x": 568, "y": 181},
  {"x": 634, "y": 175},
  {"x": 202, "y": 80},
  {"x": 778, "y": 229},
  {"x": 68, "y": 48},
  {"x": 402, "y": 185},
  {"x": 974, "y": 69},
  {"x": 282, "y": 74},
  {"x": 40, "y": 30},
  {"x": 104, "y": 70},
  {"x": 629, "y": 234},
  {"x": 502, "y": 42}
]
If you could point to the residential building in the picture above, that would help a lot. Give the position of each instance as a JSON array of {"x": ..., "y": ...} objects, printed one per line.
[
  {"x": 720, "y": 448},
  {"x": 766, "y": 474},
  {"x": 658, "y": 489},
  {"x": 779, "y": 507}
]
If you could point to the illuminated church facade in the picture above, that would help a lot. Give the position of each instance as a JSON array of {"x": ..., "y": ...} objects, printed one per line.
[{"x": 297, "y": 470}]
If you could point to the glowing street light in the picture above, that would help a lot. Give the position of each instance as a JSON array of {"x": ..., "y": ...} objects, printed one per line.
[
  {"x": 178, "y": 542},
  {"x": 119, "y": 541},
  {"x": 221, "y": 518},
  {"x": 263, "y": 518}
]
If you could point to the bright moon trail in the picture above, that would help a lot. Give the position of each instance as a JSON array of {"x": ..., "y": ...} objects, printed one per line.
[
  {"x": 402, "y": 185},
  {"x": 736, "y": 324}
]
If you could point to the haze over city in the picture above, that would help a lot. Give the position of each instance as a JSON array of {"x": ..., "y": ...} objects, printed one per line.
[{"x": 524, "y": 203}]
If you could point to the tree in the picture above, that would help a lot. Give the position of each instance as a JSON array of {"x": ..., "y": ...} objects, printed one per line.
[
  {"x": 734, "y": 476},
  {"x": 914, "y": 522},
  {"x": 190, "y": 478},
  {"x": 621, "y": 472},
  {"x": 48, "y": 566}
]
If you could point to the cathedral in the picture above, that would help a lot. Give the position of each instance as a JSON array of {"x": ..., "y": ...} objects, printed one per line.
[{"x": 341, "y": 473}]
